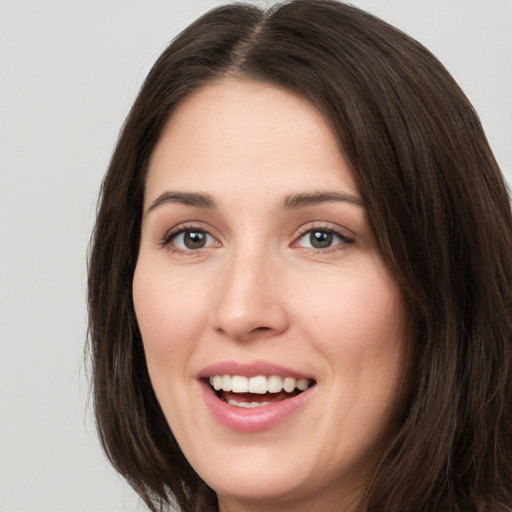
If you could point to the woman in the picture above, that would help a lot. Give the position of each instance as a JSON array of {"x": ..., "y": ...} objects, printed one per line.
[{"x": 300, "y": 278}]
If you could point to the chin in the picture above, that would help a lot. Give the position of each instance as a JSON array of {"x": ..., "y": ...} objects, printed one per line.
[{"x": 259, "y": 485}]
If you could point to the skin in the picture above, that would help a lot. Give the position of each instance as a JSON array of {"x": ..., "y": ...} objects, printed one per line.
[{"x": 259, "y": 290}]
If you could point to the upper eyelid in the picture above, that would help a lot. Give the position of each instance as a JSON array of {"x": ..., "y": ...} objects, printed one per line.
[
  {"x": 188, "y": 226},
  {"x": 331, "y": 231},
  {"x": 180, "y": 228},
  {"x": 167, "y": 241},
  {"x": 342, "y": 231},
  {"x": 174, "y": 236},
  {"x": 328, "y": 252},
  {"x": 324, "y": 226}
]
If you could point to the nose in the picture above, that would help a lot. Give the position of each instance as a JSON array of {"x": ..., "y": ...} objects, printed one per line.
[{"x": 251, "y": 300}]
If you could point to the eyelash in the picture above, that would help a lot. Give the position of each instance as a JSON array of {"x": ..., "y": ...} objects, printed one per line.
[
  {"x": 344, "y": 240},
  {"x": 169, "y": 237}
]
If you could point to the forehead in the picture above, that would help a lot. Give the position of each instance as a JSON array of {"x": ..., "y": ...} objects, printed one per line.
[{"x": 247, "y": 133}]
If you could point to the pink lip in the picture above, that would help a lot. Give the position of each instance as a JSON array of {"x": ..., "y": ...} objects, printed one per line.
[
  {"x": 250, "y": 369},
  {"x": 255, "y": 419}
]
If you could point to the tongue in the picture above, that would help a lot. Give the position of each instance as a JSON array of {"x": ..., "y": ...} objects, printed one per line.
[{"x": 255, "y": 397}]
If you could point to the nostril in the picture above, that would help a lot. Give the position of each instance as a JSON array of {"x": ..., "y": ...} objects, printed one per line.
[{"x": 261, "y": 329}]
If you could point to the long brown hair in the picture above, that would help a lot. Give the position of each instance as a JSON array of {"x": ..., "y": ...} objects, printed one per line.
[{"x": 440, "y": 212}]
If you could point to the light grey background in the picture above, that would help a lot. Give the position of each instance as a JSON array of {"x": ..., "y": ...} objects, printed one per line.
[{"x": 69, "y": 71}]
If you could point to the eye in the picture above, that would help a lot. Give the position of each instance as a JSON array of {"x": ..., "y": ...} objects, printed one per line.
[
  {"x": 322, "y": 239},
  {"x": 190, "y": 240}
]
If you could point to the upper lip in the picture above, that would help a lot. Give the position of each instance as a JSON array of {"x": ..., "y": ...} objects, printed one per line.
[{"x": 251, "y": 369}]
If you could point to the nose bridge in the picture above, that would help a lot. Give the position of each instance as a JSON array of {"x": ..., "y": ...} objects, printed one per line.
[{"x": 249, "y": 301}]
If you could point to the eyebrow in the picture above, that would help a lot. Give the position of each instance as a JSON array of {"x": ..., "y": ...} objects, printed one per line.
[
  {"x": 194, "y": 199},
  {"x": 291, "y": 202},
  {"x": 304, "y": 199}
]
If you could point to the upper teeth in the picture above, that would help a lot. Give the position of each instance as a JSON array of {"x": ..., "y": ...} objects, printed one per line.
[{"x": 259, "y": 384}]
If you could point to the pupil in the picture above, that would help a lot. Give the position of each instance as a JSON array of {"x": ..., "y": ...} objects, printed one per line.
[
  {"x": 194, "y": 239},
  {"x": 320, "y": 239}
]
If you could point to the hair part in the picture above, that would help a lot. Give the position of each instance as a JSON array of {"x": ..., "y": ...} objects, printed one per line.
[{"x": 437, "y": 204}]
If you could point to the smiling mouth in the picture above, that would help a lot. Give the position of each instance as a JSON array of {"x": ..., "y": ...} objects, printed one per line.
[{"x": 250, "y": 392}]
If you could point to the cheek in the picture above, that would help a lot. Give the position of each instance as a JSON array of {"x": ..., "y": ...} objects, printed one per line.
[
  {"x": 171, "y": 314},
  {"x": 357, "y": 322},
  {"x": 360, "y": 307}
]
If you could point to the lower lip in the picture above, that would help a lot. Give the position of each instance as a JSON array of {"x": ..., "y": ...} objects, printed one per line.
[{"x": 255, "y": 419}]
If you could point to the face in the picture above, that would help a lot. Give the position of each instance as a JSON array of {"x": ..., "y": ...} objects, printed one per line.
[{"x": 274, "y": 333}]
